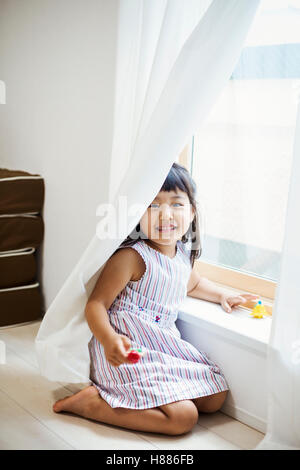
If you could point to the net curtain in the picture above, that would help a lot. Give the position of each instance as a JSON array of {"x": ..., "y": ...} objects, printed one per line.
[
  {"x": 283, "y": 427},
  {"x": 173, "y": 60}
]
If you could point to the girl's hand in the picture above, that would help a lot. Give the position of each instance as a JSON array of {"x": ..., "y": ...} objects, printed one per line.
[
  {"x": 229, "y": 302},
  {"x": 116, "y": 350}
]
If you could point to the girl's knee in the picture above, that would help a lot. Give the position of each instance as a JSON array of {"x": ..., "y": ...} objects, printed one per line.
[
  {"x": 213, "y": 402},
  {"x": 182, "y": 417}
]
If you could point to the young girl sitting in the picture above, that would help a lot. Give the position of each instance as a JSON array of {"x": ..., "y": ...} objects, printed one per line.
[{"x": 135, "y": 304}]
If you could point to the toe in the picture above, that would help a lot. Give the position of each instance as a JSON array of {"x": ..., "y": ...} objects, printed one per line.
[{"x": 58, "y": 406}]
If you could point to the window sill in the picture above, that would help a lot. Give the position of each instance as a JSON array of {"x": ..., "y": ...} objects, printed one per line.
[{"x": 237, "y": 326}]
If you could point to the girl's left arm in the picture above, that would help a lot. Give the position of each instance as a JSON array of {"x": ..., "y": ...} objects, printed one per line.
[{"x": 201, "y": 288}]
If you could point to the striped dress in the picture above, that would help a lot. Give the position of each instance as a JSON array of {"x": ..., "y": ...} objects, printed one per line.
[{"x": 145, "y": 311}]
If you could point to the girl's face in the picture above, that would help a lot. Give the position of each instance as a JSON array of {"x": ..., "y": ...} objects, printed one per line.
[{"x": 168, "y": 217}]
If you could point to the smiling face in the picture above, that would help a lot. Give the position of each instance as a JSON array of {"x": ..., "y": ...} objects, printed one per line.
[{"x": 168, "y": 217}]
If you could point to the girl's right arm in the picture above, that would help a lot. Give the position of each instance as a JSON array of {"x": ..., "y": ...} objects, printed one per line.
[{"x": 118, "y": 271}]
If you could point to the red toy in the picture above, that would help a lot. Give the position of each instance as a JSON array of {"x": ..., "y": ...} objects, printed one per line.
[{"x": 134, "y": 355}]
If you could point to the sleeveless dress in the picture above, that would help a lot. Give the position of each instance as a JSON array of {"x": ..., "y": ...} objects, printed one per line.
[{"x": 145, "y": 311}]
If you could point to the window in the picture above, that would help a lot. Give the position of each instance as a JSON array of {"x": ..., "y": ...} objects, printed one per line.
[{"x": 241, "y": 157}]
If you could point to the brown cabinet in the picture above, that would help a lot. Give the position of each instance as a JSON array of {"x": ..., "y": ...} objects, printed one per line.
[{"x": 21, "y": 234}]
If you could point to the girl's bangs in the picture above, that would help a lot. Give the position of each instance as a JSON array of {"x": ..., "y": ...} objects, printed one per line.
[{"x": 173, "y": 182}]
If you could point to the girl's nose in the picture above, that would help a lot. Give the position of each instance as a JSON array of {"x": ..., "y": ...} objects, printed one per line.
[{"x": 166, "y": 212}]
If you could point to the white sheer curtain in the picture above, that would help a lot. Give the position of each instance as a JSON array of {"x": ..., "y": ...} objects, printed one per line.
[
  {"x": 283, "y": 431},
  {"x": 173, "y": 59}
]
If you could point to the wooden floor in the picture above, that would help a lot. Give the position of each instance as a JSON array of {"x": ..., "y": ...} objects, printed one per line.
[{"x": 28, "y": 422}]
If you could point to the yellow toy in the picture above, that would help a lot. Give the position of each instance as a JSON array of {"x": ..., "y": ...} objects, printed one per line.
[{"x": 259, "y": 310}]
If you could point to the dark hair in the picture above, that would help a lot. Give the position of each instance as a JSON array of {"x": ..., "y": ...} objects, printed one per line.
[{"x": 179, "y": 178}]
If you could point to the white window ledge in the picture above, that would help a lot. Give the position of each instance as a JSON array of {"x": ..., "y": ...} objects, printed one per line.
[{"x": 238, "y": 326}]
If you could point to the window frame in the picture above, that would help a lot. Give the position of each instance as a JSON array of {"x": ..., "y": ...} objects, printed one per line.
[{"x": 230, "y": 278}]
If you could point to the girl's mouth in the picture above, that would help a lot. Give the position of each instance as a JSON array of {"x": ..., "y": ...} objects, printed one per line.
[{"x": 166, "y": 228}]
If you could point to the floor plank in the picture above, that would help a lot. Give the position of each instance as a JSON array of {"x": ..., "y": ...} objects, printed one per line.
[
  {"x": 23, "y": 384},
  {"x": 231, "y": 430},
  {"x": 21, "y": 431},
  {"x": 197, "y": 439}
]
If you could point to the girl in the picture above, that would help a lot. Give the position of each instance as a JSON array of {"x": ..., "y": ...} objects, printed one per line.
[{"x": 135, "y": 304}]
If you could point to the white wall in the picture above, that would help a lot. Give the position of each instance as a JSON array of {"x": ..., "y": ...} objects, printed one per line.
[{"x": 57, "y": 60}]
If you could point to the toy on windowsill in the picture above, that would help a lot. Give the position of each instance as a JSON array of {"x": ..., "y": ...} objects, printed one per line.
[
  {"x": 259, "y": 310},
  {"x": 134, "y": 355}
]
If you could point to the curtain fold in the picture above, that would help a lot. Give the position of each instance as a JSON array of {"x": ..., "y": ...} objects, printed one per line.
[
  {"x": 151, "y": 35},
  {"x": 283, "y": 429},
  {"x": 173, "y": 60}
]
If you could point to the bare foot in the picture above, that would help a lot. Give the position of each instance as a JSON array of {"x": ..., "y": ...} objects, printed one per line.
[{"x": 78, "y": 402}]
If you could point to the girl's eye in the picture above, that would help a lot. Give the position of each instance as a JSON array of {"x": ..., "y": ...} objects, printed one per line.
[{"x": 155, "y": 206}]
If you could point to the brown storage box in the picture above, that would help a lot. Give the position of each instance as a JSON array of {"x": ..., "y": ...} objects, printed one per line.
[
  {"x": 20, "y": 231},
  {"x": 20, "y": 304},
  {"x": 17, "y": 267},
  {"x": 20, "y": 192}
]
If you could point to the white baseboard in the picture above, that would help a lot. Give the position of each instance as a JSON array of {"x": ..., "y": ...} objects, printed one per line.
[{"x": 245, "y": 417}]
